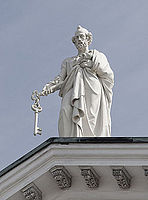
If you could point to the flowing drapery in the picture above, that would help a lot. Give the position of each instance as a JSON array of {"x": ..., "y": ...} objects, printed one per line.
[{"x": 86, "y": 97}]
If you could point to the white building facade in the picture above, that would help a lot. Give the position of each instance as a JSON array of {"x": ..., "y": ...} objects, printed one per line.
[{"x": 80, "y": 169}]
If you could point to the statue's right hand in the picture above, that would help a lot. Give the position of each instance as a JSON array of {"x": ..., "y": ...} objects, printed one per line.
[
  {"x": 47, "y": 89},
  {"x": 44, "y": 93}
]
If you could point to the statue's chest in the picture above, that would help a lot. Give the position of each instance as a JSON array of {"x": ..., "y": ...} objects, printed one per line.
[{"x": 78, "y": 63}]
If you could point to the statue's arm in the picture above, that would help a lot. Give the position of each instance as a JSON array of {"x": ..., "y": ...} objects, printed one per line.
[
  {"x": 106, "y": 76},
  {"x": 103, "y": 69},
  {"x": 55, "y": 84}
]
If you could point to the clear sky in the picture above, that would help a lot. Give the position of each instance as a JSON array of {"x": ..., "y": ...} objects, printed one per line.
[{"x": 35, "y": 37}]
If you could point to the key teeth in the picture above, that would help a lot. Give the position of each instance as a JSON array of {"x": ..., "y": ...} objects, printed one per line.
[{"x": 39, "y": 131}]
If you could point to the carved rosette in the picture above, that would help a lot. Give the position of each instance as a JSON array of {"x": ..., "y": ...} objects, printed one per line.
[
  {"x": 90, "y": 176},
  {"x": 61, "y": 176},
  {"x": 122, "y": 177},
  {"x": 32, "y": 192}
]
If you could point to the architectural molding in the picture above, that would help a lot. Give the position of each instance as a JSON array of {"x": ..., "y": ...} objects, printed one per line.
[
  {"x": 61, "y": 176},
  {"x": 32, "y": 192},
  {"x": 74, "y": 154},
  {"x": 90, "y": 176},
  {"x": 122, "y": 177}
]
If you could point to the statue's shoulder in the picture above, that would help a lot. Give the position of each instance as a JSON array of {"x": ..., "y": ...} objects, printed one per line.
[
  {"x": 99, "y": 57},
  {"x": 69, "y": 59},
  {"x": 99, "y": 53}
]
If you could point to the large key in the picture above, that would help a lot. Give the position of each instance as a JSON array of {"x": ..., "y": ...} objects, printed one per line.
[{"x": 36, "y": 108}]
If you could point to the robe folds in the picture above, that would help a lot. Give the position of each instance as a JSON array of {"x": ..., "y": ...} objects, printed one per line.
[{"x": 86, "y": 92}]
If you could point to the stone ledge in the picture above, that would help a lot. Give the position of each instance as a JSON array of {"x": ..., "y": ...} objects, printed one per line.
[{"x": 75, "y": 140}]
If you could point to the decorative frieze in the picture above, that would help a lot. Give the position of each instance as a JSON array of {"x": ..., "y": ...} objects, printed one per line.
[
  {"x": 32, "y": 192},
  {"x": 62, "y": 177},
  {"x": 90, "y": 176},
  {"x": 122, "y": 177}
]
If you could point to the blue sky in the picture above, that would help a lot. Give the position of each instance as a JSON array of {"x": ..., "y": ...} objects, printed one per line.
[{"x": 35, "y": 37}]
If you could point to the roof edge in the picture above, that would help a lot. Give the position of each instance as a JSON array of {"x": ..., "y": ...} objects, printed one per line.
[{"x": 70, "y": 140}]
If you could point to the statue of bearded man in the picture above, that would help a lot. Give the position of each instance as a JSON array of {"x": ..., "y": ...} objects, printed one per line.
[{"x": 85, "y": 83}]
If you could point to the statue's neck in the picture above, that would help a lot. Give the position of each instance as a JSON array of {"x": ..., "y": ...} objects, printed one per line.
[{"x": 80, "y": 52}]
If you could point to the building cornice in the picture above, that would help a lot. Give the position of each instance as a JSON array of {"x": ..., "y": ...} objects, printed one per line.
[
  {"x": 108, "y": 152},
  {"x": 76, "y": 140}
]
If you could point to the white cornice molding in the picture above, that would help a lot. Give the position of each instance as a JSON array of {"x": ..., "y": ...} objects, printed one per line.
[
  {"x": 71, "y": 155},
  {"x": 102, "y": 195}
]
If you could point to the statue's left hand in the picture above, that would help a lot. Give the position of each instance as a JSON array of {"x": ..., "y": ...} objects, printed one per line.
[{"x": 86, "y": 63}]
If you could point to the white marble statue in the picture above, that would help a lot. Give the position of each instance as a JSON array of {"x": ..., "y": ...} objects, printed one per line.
[{"x": 85, "y": 83}]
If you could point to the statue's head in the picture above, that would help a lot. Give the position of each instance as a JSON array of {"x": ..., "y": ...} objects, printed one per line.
[{"x": 82, "y": 38}]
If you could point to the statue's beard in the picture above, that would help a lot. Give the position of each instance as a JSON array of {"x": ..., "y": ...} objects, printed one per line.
[{"x": 81, "y": 45}]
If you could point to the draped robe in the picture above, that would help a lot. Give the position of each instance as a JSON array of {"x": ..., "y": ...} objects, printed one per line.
[{"x": 86, "y": 92}]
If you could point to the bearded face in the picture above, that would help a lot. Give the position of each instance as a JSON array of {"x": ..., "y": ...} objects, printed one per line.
[{"x": 80, "y": 41}]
